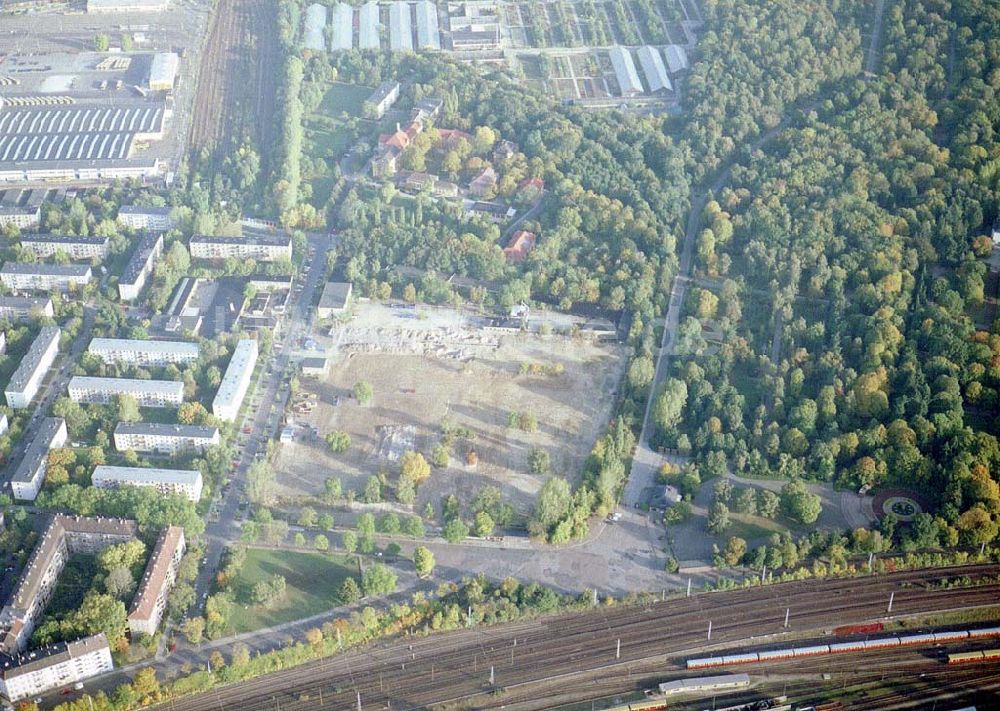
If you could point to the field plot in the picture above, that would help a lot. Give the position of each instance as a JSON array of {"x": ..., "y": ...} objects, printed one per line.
[
  {"x": 440, "y": 366},
  {"x": 312, "y": 581}
]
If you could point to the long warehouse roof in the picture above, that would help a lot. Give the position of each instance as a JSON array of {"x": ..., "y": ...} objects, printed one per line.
[
  {"x": 400, "y": 27},
  {"x": 428, "y": 36},
  {"x": 343, "y": 27},
  {"x": 653, "y": 68},
  {"x": 368, "y": 26},
  {"x": 628, "y": 77},
  {"x": 315, "y": 23}
]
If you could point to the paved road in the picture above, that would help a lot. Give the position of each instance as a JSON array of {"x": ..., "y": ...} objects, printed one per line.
[{"x": 263, "y": 417}]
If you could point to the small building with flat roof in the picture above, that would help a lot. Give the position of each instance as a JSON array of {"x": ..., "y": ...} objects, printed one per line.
[
  {"x": 334, "y": 299},
  {"x": 163, "y": 71}
]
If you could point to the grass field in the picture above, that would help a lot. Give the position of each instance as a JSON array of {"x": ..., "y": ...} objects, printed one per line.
[
  {"x": 312, "y": 584},
  {"x": 344, "y": 97}
]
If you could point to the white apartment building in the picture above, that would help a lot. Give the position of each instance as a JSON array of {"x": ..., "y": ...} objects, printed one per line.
[
  {"x": 30, "y": 473},
  {"x": 161, "y": 573},
  {"x": 140, "y": 266},
  {"x": 260, "y": 248},
  {"x": 186, "y": 482},
  {"x": 22, "y": 308},
  {"x": 130, "y": 351},
  {"x": 164, "y": 438},
  {"x": 28, "y": 377},
  {"x": 44, "y": 246},
  {"x": 148, "y": 393},
  {"x": 236, "y": 381},
  {"x": 21, "y": 217},
  {"x": 62, "y": 664},
  {"x": 155, "y": 219},
  {"x": 21, "y": 276}
]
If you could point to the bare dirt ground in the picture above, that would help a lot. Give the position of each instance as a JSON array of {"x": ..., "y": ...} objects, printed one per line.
[{"x": 428, "y": 368}]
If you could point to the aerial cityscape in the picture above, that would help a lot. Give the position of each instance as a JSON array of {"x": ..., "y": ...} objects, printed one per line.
[{"x": 618, "y": 355}]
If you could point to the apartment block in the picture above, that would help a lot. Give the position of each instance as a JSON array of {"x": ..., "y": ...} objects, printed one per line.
[
  {"x": 64, "y": 536},
  {"x": 236, "y": 381},
  {"x": 22, "y": 276},
  {"x": 62, "y": 664},
  {"x": 140, "y": 266},
  {"x": 153, "y": 219},
  {"x": 261, "y": 248},
  {"x": 158, "y": 579},
  {"x": 148, "y": 393},
  {"x": 28, "y": 377},
  {"x": 44, "y": 246},
  {"x": 30, "y": 473},
  {"x": 186, "y": 482},
  {"x": 160, "y": 438},
  {"x": 130, "y": 351},
  {"x": 23, "y": 308}
]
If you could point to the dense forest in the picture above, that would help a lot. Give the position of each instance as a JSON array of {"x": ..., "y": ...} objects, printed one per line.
[
  {"x": 841, "y": 273},
  {"x": 836, "y": 329}
]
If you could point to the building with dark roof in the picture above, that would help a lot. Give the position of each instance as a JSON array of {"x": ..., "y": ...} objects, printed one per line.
[
  {"x": 22, "y": 308},
  {"x": 162, "y": 438},
  {"x": 30, "y": 473},
  {"x": 74, "y": 247},
  {"x": 24, "y": 276},
  {"x": 263, "y": 248},
  {"x": 334, "y": 299}
]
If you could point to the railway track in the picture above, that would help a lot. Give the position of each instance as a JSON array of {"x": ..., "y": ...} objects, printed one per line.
[
  {"x": 242, "y": 44},
  {"x": 572, "y": 649}
]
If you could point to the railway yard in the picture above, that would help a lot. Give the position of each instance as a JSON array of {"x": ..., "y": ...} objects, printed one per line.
[
  {"x": 572, "y": 658},
  {"x": 241, "y": 43}
]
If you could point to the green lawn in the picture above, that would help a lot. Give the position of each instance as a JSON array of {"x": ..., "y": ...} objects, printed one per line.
[
  {"x": 312, "y": 584},
  {"x": 344, "y": 97},
  {"x": 751, "y": 527}
]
